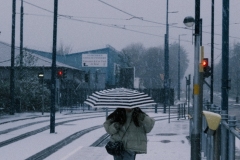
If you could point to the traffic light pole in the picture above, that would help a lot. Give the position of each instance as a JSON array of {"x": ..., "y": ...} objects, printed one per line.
[
  {"x": 197, "y": 116},
  {"x": 212, "y": 52},
  {"x": 53, "y": 79},
  {"x": 225, "y": 71}
]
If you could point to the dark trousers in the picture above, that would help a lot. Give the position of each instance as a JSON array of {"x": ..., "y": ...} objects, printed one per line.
[{"x": 127, "y": 155}]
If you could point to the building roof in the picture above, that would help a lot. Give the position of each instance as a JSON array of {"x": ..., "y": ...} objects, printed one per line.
[{"x": 36, "y": 59}]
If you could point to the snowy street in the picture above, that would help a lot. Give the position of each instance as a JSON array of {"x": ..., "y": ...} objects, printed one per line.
[{"x": 23, "y": 138}]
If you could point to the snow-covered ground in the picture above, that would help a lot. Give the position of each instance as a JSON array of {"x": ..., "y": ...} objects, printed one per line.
[{"x": 165, "y": 141}]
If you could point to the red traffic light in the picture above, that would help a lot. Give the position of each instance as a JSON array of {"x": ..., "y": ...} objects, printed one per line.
[
  {"x": 60, "y": 73},
  {"x": 205, "y": 62}
]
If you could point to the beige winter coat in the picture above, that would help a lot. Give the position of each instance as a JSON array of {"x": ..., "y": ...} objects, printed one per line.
[{"x": 135, "y": 138}]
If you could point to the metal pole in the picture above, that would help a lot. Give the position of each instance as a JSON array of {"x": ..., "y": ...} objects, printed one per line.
[
  {"x": 225, "y": 54},
  {"x": 225, "y": 66},
  {"x": 232, "y": 124},
  {"x": 189, "y": 88},
  {"x": 53, "y": 79},
  {"x": 179, "y": 68},
  {"x": 224, "y": 136},
  {"x": 21, "y": 35},
  {"x": 212, "y": 53},
  {"x": 12, "y": 74},
  {"x": 42, "y": 99},
  {"x": 169, "y": 82},
  {"x": 166, "y": 66},
  {"x": 43, "y": 93},
  {"x": 216, "y": 140},
  {"x": 186, "y": 89},
  {"x": 197, "y": 116}
]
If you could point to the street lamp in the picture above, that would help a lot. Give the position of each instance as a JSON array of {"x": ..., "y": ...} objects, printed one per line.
[
  {"x": 197, "y": 108},
  {"x": 166, "y": 65},
  {"x": 189, "y": 21},
  {"x": 179, "y": 49}
]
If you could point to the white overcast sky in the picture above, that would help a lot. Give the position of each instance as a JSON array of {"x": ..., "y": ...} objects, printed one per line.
[{"x": 92, "y": 24}]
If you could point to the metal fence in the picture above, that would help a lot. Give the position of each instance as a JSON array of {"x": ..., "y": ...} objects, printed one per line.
[{"x": 220, "y": 145}]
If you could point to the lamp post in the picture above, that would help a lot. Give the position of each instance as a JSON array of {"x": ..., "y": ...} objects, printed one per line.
[
  {"x": 21, "y": 34},
  {"x": 12, "y": 71},
  {"x": 197, "y": 116},
  {"x": 53, "y": 78},
  {"x": 179, "y": 49},
  {"x": 166, "y": 65}
]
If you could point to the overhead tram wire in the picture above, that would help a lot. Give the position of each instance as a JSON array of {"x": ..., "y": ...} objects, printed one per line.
[
  {"x": 141, "y": 18},
  {"x": 90, "y": 22},
  {"x": 117, "y": 26},
  {"x": 69, "y": 17},
  {"x": 101, "y": 24}
]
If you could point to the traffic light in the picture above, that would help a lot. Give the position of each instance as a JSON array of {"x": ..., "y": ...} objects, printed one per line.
[
  {"x": 59, "y": 73},
  {"x": 206, "y": 68},
  {"x": 64, "y": 73}
]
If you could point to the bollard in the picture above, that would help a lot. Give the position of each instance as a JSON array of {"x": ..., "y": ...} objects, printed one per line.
[
  {"x": 224, "y": 138},
  {"x": 156, "y": 108},
  {"x": 232, "y": 124}
]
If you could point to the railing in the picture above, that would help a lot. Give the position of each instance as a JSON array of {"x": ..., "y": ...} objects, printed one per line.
[
  {"x": 220, "y": 145},
  {"x": 181, "y": 110}
]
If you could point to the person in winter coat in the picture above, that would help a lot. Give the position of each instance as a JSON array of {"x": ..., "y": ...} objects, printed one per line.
[{"x": 135, "y": 138}]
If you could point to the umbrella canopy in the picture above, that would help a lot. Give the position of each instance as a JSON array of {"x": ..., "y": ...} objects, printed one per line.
[{"x": 119, "y": 98}]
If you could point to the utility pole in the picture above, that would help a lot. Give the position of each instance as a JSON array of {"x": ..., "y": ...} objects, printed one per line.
[
  {"x": 179, "y": 68},
  {"x": 197, "y": 116},
  {"x": 12, "y": 74},
  {"x": 179, "y": 53},
  {"x": 53, "y": 78},
  {"x": 225, "y": 72},
  {"x": 212, "y": 53},
  {"x": 166, "y": 66},
  {"x": 21, "y": 35}
]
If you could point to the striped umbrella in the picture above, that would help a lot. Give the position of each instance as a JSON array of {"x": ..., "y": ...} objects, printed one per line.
[{"x": 119, "y": 98}]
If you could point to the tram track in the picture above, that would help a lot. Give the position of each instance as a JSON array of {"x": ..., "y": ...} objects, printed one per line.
[
  {"x": 53, "y": 148},
  {"x": 33, "y": 123},
  {"x": 31, "y": 133},
  {"x": 100, "y": 142}
]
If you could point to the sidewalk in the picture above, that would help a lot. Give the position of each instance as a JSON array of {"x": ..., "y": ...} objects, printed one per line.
[{"x": 166, "y": 141}]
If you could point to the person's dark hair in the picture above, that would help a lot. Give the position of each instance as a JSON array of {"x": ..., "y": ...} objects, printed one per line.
[
  {"x": 119, "y": 115},
  {"x": 135, "y": 114}
]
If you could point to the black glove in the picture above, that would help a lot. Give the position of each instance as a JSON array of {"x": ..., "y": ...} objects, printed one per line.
[{"x": 141, "y": 116}]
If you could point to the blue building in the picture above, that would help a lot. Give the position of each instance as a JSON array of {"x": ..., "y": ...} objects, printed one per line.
[{"x": 101, "y": 65}]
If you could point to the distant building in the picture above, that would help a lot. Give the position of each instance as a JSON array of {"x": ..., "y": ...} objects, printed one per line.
[{"x": 101, "y": 65}]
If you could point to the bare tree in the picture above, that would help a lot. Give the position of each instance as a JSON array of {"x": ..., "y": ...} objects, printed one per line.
[{"x": 64, "y": 50}]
